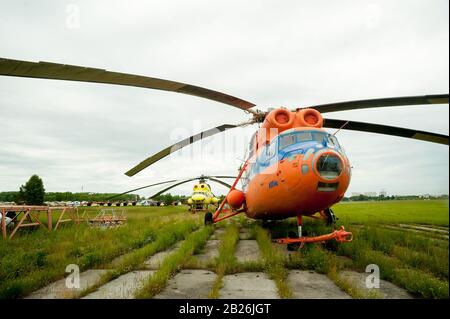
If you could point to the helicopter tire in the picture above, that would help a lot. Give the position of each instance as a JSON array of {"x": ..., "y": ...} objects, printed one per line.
[
  {"x": 208, "y": 218},
  {"x": 331, "y": 217}
]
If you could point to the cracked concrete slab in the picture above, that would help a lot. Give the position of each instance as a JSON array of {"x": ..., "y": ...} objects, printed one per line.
[
  {"x": 210, "y": 251},
  {"x": 249, "y": 285},
  {"x": 59, "y": 290},
  {"x": 189, "y": 284},
  {"x": 123, "y": 287},
  {"x": 387, "y": 289},
  {"x": 155, "y": 261},
  {"x": 311, "y": 285},
  {"x": 247, "y": 251}
]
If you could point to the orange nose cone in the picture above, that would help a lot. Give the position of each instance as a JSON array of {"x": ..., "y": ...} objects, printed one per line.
[{"x": 235, "y": 198}]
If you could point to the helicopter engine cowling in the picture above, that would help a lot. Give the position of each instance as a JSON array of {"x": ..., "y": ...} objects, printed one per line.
[
  {"x": 281, "y": 119},
  {"x": 309, "y": 118},
  {"x": 235, "y": 198}
]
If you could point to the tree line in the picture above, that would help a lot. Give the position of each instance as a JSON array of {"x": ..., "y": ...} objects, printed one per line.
[
  {"x": 19, "y": 198},
  {"x": 33, "y": 193}
]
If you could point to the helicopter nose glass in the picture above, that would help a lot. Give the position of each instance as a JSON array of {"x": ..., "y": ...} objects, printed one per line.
[{"x": 329, "y": 166}]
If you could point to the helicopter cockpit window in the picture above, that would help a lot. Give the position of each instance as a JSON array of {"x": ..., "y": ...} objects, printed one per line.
[
  {"x": 318, "y": 137},
  {"x": 304, "y": 136},
  {"x": 286, "y": 140}
]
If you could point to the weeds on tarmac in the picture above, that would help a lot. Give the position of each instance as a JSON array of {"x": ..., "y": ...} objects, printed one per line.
[
  {"x": 34, "y": 259},
  {"x": 408, "y": 260},
  {"x": 174, "y": 262},
  {"x": 165, "y": 237},
  {"x": 226, "y": 261},
  {"x": 273, "y": 262}
]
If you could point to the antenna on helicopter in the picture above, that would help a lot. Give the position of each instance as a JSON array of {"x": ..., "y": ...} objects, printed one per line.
[{"x": 345, "y": 124}]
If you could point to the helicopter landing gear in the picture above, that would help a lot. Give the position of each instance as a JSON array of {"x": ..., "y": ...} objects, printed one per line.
[
  {"x": 209, "y": 220},
  {"x": 293, "y": 235},
  {"x": 330, "y": 217},
  {"x": 294, "y": 246}
]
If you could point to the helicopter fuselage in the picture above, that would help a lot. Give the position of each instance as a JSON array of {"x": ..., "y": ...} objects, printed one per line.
[
  {"x": 301, "y": 170},
  {"x": 302, "y": 178},
  {"x": 202, "y": 196}
]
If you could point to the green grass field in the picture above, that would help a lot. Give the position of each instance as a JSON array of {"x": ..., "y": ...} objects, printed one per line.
[
  {"x": 34, "y": 258},
  {"x": 416, "y": 261},
  {"x": 427, "y": 212}
]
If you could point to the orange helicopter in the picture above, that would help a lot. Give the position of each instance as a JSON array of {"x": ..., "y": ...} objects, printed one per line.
[{"x": 294, "y": 167}]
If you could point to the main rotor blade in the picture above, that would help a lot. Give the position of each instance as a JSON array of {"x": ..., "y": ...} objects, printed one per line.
[
  {"x": 55, "y": 71},
  {"x": 175, "y": 180},
  {"x": 186, "y": 181},
  {"x": 174, "y": 185},
  {"x": 386, "y": 102},
  {"x": 175, "y": 147},
  {"x": 221, "y": 176},
  {"x": 387, "y": 130},
  {"x": 139, "y": 188},
  {"x": 220, "y": 182}
]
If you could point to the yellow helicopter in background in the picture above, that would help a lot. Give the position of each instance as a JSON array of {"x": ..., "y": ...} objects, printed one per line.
[{"x": 202, "y": 197}]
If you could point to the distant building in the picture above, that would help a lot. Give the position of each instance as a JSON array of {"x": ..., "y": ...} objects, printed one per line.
[
  {"x": 383, "y": 193},
  {"x": 370, "y": 194},
  {"x": 356, "y": 194},
  {"x": 148, "y": 202}
]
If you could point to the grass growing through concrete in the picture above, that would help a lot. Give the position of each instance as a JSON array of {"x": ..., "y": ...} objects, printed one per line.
[
  {"x": 164, "y": 238},
  {"x": 36, "y": 258},
  {"x": 315, "y": 257},
  {"x": 273, "y": 262},
  {"x": 414, "y": 250},
  {"x": 226, "y": 261},
  {"x": 350, "y": 287},
  {"x": 173, "y": 263},
  {"x": 420, "y": 274},
  {"x": 413, "y": 261}
]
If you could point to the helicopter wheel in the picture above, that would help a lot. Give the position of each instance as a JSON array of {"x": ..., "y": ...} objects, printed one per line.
[
  {"x": 293, "y": 247},
  {"x": 209, "y": 218},
  {"x": 331, "y": 217}
]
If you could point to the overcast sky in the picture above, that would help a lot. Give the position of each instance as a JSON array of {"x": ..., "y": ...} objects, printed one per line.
[{"x": 273, "y": 53}]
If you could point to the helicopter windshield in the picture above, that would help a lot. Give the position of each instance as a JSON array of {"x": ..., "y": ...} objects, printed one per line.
[{"x": 302, "y": 137}]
